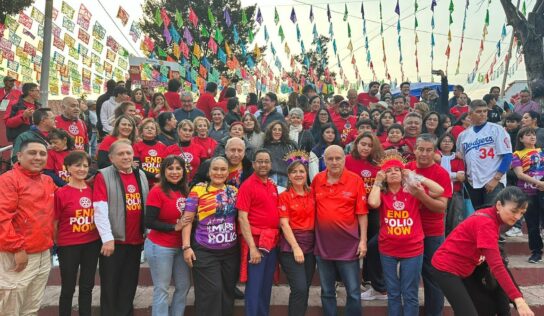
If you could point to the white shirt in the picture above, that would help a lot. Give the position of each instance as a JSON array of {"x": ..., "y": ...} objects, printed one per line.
[{"x": 107, "y": 112}]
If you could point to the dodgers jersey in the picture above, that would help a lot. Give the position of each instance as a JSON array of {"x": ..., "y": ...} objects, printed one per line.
[{"x": 482, "y": 152}]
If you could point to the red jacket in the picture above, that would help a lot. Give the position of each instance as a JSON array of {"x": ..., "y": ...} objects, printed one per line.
[{"x": 26, "y": 211}]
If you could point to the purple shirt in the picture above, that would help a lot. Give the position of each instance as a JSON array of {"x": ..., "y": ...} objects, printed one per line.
[{"x": 529, "y": 106}]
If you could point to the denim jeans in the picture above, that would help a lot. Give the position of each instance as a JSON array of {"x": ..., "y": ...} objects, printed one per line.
[
  {"x": 164, "y": 263},
  {"x": 259, "y": 284},
  {"x": 402, "y": 287},
  {"x": 434, "y": 298},
  {"x": 92, "y": 144},
  {"x": 350, "y": 274}
]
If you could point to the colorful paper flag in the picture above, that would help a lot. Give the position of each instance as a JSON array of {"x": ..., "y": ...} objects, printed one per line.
[{"x": 122, "y": 15}]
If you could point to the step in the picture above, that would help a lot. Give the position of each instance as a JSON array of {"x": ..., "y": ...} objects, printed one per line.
[
  {"x": 279, "y": 301},
  {"x": 525, "y": 273},
  {"x": 515, "y": 246}
]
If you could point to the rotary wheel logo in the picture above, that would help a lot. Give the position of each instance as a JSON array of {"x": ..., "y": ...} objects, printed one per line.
[
  {"x": 398, "y": 205},
  {"x": 85, "y": 202},
  {"x": 366, "y": 173},
  {"x": 188, "y": 157},
  {"x": 180, "y": 204},
  {"x": 152, "y": 153},
  {"x": 131, "y": 188},
  {"x": 73, "y": 129}
]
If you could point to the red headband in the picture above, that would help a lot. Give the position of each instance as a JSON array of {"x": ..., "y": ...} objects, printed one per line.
[{"x": 391, "y": 164}]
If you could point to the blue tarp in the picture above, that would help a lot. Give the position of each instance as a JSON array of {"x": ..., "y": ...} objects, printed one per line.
[{"x": 416, "y": 87}]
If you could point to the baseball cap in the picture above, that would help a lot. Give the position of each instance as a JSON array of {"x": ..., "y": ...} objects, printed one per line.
[{"x": 8, "y": 78}]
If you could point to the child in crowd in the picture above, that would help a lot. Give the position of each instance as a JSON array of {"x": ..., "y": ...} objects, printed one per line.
[{"x": 61, "y": 145}]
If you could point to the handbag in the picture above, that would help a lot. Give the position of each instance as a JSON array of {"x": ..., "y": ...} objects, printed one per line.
[{"x": 469, "y": 208}]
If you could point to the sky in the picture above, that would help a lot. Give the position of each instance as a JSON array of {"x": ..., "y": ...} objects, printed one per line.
[{"x": 105, "y": 12}]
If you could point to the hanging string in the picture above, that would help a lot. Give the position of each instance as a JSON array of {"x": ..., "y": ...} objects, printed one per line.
[{"x": 462, "y": 38}]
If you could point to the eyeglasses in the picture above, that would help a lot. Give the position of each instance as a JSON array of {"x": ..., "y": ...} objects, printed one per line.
[{"x": 262, "y": 162}]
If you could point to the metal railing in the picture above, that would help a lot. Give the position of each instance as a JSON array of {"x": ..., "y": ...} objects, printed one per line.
[{"x": 5, "y": 164}]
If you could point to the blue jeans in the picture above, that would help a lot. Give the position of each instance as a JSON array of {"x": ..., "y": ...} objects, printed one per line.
[
  {"x": 350, "y": 274},
  {"x": 434, "y": 298},
  {"x": 402, "y": 287},
  {"x": 92, "y": 144},
  {"x": 259, "y": 284},
  {"x": 164, "y": 263}
]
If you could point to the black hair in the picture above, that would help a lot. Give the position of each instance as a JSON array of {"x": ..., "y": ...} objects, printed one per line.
[
  {"x": 460, "y": 119},
  {"x": 167, "y": 187},
  {"x": 512, "y": 194},
  {"x": 364, "y": 122},
  {"x": 336, "y": 140},
  {"x": 260, "y": 151},
  {"x": 110, "y": 86},
  {"x": 396, "y": 126},
  {"x": 173, "y": 85},
  {"x": 39, "y": 115},
  {"x": 272, "y": 97},
  {"x": 232, "y": 103},
  {"x": 303, "y": 102},
  {"x": 488, "y": 97},
  {"x": 398, "y": 96},
  {"x": 404, "y": 83},
  {"x": 494, "y": 87},
  {"x": 26, "y": 142},
  {"x": 372, "y": 83},
  {"x": 535, "y": 115},
  {"x": 57, "y": 133},
  {"x": 522, "y": 132},
  {"x": 230, "y": 92},
  {"x": 119, "y": 90},
  {"x": 307, "y": 88},
  {"x": 27, "y": 87},
  {"x": 75, "y": 157},
  {"x": 460, "y": 88},
  {"x": 450, "y": 136},
  {"x": 211, "y": 87},
  {"x": 439, "y": 129},
  {"x": 252, "y": 98},
  {"x": 513, "y": 117}
]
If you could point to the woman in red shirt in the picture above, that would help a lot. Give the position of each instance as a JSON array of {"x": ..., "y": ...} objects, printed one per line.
[
  {"x": 61, "y": 145},
  {"x": 124, "y": 127},
  {"x": 384, "y": 122},
  {"x": 202, "y": 126},
  {"x": 159, "y": 105},
  {"x": 187, "y": 149},
  {"x": 474, "y": 241},
  {"x": 401, "y": 236},
  {"x": 297, "y": 218},
  {"x": 365, "y": 156},
  {"x": 76, "y": 235},
  {"x": 141, "y": 103},
  {"x": 148, "y": 152},
  {"x": 164, "y": 211}
]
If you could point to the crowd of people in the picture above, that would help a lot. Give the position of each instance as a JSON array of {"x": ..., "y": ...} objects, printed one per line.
[{"x": 370, "y": 189}]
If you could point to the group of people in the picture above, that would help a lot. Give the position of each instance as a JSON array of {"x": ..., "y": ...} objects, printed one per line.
[{"x": 221, "y": 192}]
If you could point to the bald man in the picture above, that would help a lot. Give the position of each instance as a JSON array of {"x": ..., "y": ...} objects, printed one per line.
[
  {"x": 340, "y": 232},
  {"x": 70, "y": 122}
]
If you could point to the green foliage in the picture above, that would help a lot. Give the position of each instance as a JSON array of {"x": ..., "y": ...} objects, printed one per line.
[{"x": 11, "y": 7}]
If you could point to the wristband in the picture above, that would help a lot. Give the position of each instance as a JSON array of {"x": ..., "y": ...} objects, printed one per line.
[{"x": 185, "y": 247}]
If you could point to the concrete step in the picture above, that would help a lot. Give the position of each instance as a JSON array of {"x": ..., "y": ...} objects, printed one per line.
[
  {"x": 525, "y": 273},
  {"x": 279, "y": 301},
  {"x": 517, "y": 246}
]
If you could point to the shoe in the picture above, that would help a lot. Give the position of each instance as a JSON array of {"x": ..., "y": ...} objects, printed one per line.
[
  {"x": 142, "y": 257},
  {"x": 514, "y": 232},
  {"x": 535, "y": 258},
  {"x": 372, "y": 295},
  {"x": 238, "y": 294},
  {"x": 55, "y": 261}
]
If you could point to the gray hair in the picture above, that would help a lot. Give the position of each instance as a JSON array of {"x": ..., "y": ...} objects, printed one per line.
[
  {"x": 428, "y": 138},
  {"x": 297, "y": 112},
  {"x": 477, "y": 104},
  {"x": 186, "y": 94},
  {"x": 118, "y": 143},
  {"x": 235, "y": 139}
]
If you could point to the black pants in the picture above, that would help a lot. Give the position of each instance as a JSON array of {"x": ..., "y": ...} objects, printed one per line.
[
  {"x": 533, "y": 217},
  {"x": 119, "y": 279},
  {"x": 299, "y": 277},
  {"x": 468, "y": 297},
  {"x": 372, "y": 266},
  {"x": 70, "y": 259},
  {"x": 215, "y": 273},
  {"x": 480, "y": 198}
]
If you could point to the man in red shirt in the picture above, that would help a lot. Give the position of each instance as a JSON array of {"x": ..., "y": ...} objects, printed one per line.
[
  {"x": 8, "y": 94},
  {"x": 18, "y": 116},
  {"x": 172, "y": 95},
  {"x": 120, "y": 192},
  {"x": 365, "y": 98},
  {"x": 399, "y": 108},
  {"x": 70, "y": 122},
  {"x": 345, "y": 122},
  {"x": 206, "y": 101},
  {"x": 433, "y": 222},
  {"x": 259, "y": 221},
  {"x": 26, "y": 231},
  {"x": 340, "y": 234},
  {"x": 405, "y": 92},
  {"x": 412, "y": 128}
]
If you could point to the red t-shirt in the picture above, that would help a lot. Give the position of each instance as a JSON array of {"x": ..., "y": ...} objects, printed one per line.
[
  {"x": 401, "y": 232},
  {"x": 345, "y": 126},
  {"x": 308, "y": 120},
  {"x": 260, "y": 201},
  {"x": 173, "y": 99},
  {"x": 365, "y": 99},
  {"x": 171, "y": 208},
  {"x": 206, "y": 102},
  {"x": 363, "y": 168},
  {"x": 223, "y": 105},
  {"x": 433, "y": 222},
  {"x": 75, "y": 215},
  {"x": 192, "y": 154},
  {"x": 456, "y": 130},
  {"x": 467, "y": 245},
  {"x": 150, "y": 156},
  {"x": 106, "y": 143},
  {"x": 76, "y": 129},
  {"x": 134, "y": 210},
  {"x": 383, "y": 137},
  {"x": 338, "y": 206},
  {"x": 140, "y": 109},
  {"x": 399, "y": 118},
  {"x": 299, "y": 209},
  {"x": 208, "y": 144},
  {"x": 55, "y": 162},
  {"x": 458, "y": 110}
]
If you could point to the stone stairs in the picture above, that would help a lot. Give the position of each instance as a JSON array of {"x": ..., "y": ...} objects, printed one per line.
[{"x": 529, "y": 276}]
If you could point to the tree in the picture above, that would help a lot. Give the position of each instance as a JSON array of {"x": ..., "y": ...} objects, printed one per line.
[
  {"x": 205, "y": 28},
  {"x": 530, "y": 31},
  {"x": 10, "y": 7},
  {"x": 317, "y": 59}
]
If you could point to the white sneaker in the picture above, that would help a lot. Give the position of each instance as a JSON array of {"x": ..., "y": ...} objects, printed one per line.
[
  {"x": 55, "y": 261},
  {"x": 142, "y": 257},
  {"x": 371, "y": 295},
  {"x": 514, "y": 232}
]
